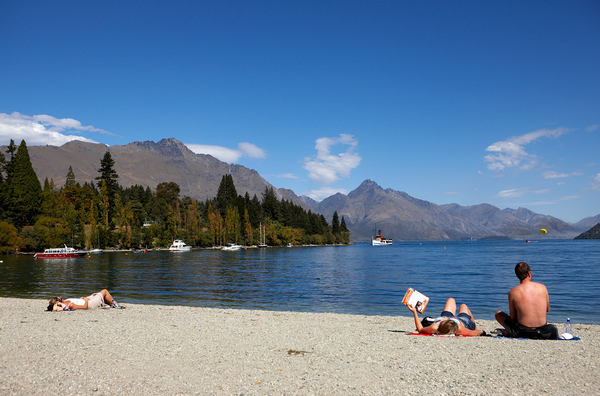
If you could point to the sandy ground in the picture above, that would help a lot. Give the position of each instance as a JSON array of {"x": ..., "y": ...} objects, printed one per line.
[{"x": 172, "y": 350}]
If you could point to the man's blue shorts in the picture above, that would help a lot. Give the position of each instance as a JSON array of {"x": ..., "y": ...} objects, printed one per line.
[{"x": 465, "y": 318}]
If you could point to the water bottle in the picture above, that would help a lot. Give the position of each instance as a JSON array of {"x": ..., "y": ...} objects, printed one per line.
[{"x": 568, "y": 328}]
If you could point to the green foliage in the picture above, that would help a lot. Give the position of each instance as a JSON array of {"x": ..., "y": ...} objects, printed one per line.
[
  {"x": 70, "y": 178},
  {"x": 226, "y": 193},
  {"x": 26, "y": 188},
  {"x": 108, "y": 185},
  {"x": 335, "y": 223},
  {"x": 106, "y": 215},
  {"x": 9, "y": 238}
]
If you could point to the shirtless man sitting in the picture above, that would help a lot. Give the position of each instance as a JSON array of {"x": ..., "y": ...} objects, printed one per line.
[{"x": 528, "y": 304}]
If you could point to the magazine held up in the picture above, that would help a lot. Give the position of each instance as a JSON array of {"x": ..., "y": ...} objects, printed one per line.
[{"x": 415, "y": 299}]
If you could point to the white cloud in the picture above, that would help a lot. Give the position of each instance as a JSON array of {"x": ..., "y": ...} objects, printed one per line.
[
  {"x": 556, "y": 175},
  {"x": 544, "y": 191},
  {"x": 596, "y": 182},
  {"x": 327, "y": 168},
  {"x": 325, "y": 192},
  {"x": 568, "y": 198},
  {"x": 252, "y": 150},
  {"x": 592, "y": 128},
  {"x": 512, "y": 193},
  {"x": 225, "y": 154},
  {"x": 42, "y": 129},
  {"x": 554, "y": 202},
  {"x": 511, "y": 153},
  {"x": 285, "y": 176}
]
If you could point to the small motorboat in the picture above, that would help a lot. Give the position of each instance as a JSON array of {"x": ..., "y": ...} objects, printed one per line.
[{"x": 231, "y": 247}]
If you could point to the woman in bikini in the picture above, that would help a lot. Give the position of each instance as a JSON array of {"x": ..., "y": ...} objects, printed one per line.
[
  {"x": 102, "y": 298},
  {"x": 448, "y": 323}
]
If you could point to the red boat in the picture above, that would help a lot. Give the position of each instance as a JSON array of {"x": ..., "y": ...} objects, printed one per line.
[{"x": 65, "y": 252}]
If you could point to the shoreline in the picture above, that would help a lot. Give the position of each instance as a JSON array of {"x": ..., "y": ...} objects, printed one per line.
[{"x": 158, "y": 349}]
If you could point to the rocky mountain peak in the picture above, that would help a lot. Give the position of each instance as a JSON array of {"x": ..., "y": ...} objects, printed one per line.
[{"x": 168, "y": 148}]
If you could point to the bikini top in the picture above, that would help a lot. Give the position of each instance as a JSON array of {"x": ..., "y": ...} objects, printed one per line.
[{"x": 440, "y": 318}]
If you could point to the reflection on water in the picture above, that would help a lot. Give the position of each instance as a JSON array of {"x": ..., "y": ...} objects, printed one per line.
[{"x": 358, "y": 279}]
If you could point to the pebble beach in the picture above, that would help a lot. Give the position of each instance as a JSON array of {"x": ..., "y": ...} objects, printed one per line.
[{"x": 183, "y": 350}]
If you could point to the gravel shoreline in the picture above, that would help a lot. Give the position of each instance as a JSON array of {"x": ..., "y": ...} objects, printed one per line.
[{"x": 182, "y": 350}]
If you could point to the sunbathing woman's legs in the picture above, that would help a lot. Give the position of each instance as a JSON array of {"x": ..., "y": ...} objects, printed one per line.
[
  {"x": 450, "y": 306},
  {"x": 108, "y": 299},
  {"x": 464, "y": 309}
]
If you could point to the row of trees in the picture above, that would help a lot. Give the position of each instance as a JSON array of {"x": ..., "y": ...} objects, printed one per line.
[{"x": 105, "y": 215}]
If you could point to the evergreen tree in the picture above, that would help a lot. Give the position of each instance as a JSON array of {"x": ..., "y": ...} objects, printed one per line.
[
  {"x": 108, "y": 174},
  {"x": 335, "y": 223},
  {"x": 3, "y": 189},
  {"x": 108, "y": 178},
  {"x": 70, "y": 178},
  {"x": 343, "y": 226},
  {"x": 226, "y": 193},
  {"x": 8, "y": 207},
  {"x": 9, "y": 167},
  {"x": 270, "y": 204},
  {"x": 26, "y": 187}
]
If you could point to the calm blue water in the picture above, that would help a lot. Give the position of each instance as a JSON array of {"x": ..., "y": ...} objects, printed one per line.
[{"x": 358, "y": 279}]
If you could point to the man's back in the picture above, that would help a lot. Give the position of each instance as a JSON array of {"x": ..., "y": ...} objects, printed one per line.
[{"x": 529, "y": 303}]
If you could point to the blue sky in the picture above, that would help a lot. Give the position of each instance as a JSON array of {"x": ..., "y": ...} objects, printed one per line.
[{"x": 465, "y": 102}]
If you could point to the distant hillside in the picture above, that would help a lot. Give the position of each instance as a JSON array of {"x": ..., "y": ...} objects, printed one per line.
[
  {"x": 366, "y": 209},
  {"x": 148, "y": 164},
  {"x": 405, "y": 218},
  {"x": 588, "y": 222},
  {"x": 593, "y": 233}
]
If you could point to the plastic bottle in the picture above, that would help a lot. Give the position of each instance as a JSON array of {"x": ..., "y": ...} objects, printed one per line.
[{"x": 568, "y": 328}]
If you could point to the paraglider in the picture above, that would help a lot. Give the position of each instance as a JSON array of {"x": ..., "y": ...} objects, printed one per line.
[{"x": 543, "y": 231}]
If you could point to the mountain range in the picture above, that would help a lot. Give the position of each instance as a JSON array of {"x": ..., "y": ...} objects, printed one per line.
[
  {"x": 367, "y": 209},
  {"x": 370, "y": 208},
  {"x": 148, "y": 164}
]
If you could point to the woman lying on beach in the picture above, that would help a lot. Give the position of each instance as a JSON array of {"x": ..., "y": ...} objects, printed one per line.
[
  {"x": 449, "y": 324},
  {"x": 102, "y": 298}
]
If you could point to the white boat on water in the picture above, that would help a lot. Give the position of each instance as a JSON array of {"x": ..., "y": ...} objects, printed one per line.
[
  {"x": 232, "y": 247},
  {"x": 96, "y": 251},
  {"x": 179, "y": 246},
  {"x": 65, "y": 252},
  {"x": 379, "y": 240}
]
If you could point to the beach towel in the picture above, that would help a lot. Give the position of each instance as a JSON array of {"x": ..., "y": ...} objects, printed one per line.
[
  {"x": 559, "y": 339},
  {"x": 437, "y": 335}
]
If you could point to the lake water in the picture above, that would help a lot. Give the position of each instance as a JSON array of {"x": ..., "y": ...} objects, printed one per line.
[{"x": 358, "y": 279}]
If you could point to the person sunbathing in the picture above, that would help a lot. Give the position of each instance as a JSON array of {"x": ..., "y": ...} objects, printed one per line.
[
  {"x": 448, "y": 323},
  {"x": 100, "y": 299}
]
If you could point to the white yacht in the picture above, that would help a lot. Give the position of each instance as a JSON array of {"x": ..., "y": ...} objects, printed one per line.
[{"x": 179, "y": 246}]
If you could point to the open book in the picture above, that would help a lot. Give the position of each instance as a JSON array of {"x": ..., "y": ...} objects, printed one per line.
[{"x": 416, "y": 299}]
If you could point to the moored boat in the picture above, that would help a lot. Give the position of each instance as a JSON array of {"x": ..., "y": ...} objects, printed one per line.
[
  {"x": 262, "y": 237},
  {"x": 179, "y": 246},
  {"x": 65, "y": 252},
  {"x": 379, "y": 240},
  {"x": 231, "y": 247}
]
